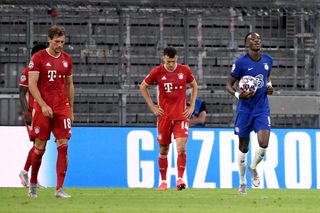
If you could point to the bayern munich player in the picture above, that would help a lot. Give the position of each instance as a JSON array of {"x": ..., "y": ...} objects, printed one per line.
[
  {"x": 51, "y": 85},
  {"x": 253, "y": 112},
  {"x": 173, "y": 115},
  {"x": 26, "y": 101}
]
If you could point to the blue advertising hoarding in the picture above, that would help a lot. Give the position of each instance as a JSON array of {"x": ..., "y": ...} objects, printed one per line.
[{"x": 127, "y": 157}]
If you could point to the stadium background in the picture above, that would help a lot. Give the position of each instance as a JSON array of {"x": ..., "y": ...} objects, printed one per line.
[{"x": 114, "y": 44}]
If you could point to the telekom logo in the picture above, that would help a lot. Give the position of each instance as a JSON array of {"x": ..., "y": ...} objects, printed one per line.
[
  {"x": 168, "y": 87},
  {"x": 52, "y": 74}
]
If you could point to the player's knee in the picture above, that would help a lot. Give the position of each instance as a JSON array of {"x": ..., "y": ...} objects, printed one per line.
[
  {"x": 243, "y": 148},
  {"x": 163, "y": 156},
  {"x": 62, "y": 142},
  {"x": 263, "y": 144},
  {"x": 181, "y": 151},
  {"x": 39, "y": 151}
]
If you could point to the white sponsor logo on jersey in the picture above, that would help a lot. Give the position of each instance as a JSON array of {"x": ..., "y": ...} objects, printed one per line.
[
  {"x": 168, "y": 87},
  {"x": 164, "y": 78},
  {"x": 48, "y": 65},
  {"x": 52, "y": 74}
]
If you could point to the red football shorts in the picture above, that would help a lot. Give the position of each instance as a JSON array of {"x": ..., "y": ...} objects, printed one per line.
[
  {"x": 60, "y": 124},
  {"x": 166, "y": 127}
]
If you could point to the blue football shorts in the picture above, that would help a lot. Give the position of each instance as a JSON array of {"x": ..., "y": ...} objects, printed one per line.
[{"x": 247, "y": 122}]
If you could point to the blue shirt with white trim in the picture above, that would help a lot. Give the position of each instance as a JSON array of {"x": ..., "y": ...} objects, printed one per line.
[{"x": 260, "y": 69}]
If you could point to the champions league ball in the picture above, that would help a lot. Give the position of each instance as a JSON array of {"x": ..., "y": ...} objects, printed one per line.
[{"x": 248, "y": 84}]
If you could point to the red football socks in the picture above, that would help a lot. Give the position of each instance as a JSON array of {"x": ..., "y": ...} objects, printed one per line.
[
  {"x": 36, "y": 159},
  {"x": 28, "y": 161},
  {"x": 181, "y": 163},
  {"x": 62, "y": 164},
  {"x": 163, "y": 166}
]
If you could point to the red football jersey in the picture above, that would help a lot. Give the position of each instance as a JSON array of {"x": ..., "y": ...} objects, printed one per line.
[
  {"x": 53, "y": 72},
  {"x": 24, "y": 82},
  {"x": 171, "y": 89}
]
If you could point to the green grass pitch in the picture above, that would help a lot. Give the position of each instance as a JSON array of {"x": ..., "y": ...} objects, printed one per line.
[{"x": 118, "y": 200}]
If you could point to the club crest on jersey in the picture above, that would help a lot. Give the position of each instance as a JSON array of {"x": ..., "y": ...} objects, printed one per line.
[
  {"x": 31, "y": 64},
  {"x": 180, "y": 76},
  {"x": 266, "y": 66},
  {"x": 65, "y": 64},
  {"x": 37, "y": 130},
  {"x": 23, "y": 78}
]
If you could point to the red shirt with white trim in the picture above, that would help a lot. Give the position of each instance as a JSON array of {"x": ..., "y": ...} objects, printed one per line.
[
  {"x": 171, "y": 89},
  {"x": 53, "y": 72}
]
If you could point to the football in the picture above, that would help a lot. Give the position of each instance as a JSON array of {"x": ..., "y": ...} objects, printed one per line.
[{"x": 248, "y": 84}]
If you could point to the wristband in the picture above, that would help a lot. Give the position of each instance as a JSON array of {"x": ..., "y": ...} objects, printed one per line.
[{"x": 237, "y": 95}]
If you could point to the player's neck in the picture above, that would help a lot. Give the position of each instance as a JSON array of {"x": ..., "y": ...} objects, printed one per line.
[
  {"x": 53, "y": 53},
  {"x": 255, "y": 55},
  {"x": 175, "y": 67}
]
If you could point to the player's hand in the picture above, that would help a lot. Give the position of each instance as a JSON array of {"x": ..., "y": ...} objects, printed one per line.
[
  {"x": 72, "y": 116},
  {"x": 27, "y": 116},
  {"x": 269, "y": 90},
  {"x": 246, "y": 95},
  {"x": 47, "y": 111},
  {"x": 157, "y": 110},
  {"x": 188, "y": 112}
]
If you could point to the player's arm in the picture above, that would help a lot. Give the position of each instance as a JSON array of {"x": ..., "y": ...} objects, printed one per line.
[
  {"x": 155, "y": 109},
  {"x": 24, "y": 103},
  {"x": 70, "y": 89},
  {"x": 34, "y": 90},
  {"x": 230, "y": 86},
  {"x": 194, "y": 88},
  {"x": 269, "y": 86}
]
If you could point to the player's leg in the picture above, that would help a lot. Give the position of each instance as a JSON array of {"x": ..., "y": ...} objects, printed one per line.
[
  {"x": 61, "y": 167},
  {"x": 243, "y": 129},
  {"x": 164, "y": 140},
  {"x": 181, "y": 131},
  {"x": 24, "y": 177},
  {"x": 181, "y": 161},
  {"x": 262, "y": 127},
  {"x": 163, "y": 165},
  {"x": 41, "y": 131},
  {"x": 36, "y": 159},
  {"x": 24, "y": 172},
  {"x": 62, "y": 132},
  {"x": 242, "y": 163}
]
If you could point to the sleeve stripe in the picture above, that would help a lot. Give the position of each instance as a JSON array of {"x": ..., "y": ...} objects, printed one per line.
[{"x": 145, "y": 83}]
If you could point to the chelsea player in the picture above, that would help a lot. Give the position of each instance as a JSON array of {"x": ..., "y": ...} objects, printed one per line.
[{"x": 253, "y": 112}]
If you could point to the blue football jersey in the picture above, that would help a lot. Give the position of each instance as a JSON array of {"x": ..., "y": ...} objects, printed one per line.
[{"x": 245, "y": 65}]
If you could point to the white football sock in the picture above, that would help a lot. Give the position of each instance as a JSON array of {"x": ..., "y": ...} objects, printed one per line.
[
  {"x": 258, "y": 156},
  {"x": 242, "y": 161}
]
